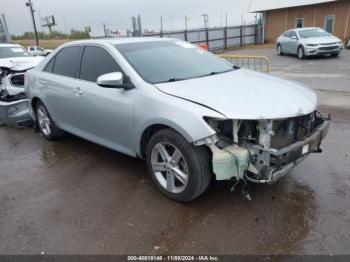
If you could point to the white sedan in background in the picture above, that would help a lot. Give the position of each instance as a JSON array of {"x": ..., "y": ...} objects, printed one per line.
[
  {"x": 310, "y": 41},
  {"x": 38, "y": 51}
]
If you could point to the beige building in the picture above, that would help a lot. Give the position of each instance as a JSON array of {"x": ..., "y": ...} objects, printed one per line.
[{"x": 280, "y": 16}]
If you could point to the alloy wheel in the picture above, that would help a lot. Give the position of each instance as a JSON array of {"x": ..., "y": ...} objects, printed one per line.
[
  {"x": 44, "y": 120},
  {"x": 301, "y": 52},
  {"x": 169, "y": 167}
]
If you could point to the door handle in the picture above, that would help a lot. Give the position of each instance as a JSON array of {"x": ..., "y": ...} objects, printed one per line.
[{"x": 77, "y": 91}]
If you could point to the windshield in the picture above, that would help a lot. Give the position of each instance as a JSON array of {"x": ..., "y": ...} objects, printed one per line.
[
  {"x": 13, "y": 51},
  {"x": 307, "y": 33},
  {"x": 168, "y": 61}
]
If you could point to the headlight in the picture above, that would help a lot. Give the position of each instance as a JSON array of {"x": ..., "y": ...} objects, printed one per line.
[
  {"x": 211, "y": 140},
  {"x": 311, "y": 44}
]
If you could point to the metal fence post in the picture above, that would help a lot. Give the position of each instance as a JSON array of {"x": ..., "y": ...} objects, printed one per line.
[
  {"x": 240, "y": 36},
  {"x": 225, "y": 38},
  {"x": 207, "y": 36}
]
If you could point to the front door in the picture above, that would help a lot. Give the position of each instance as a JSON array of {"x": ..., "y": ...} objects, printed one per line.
[
  {"x": 293, "y": 43},
  {"x": 103, "y": 115}
]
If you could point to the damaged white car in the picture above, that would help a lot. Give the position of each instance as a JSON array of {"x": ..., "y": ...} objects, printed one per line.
[
  {"x": 14, "y": 62},
  {"x": 192, "y": 115}
]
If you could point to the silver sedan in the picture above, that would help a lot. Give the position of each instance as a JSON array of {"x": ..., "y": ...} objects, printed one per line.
[
  {"x": 309, "y": 41},
  {"x": 190, "y": 114}
]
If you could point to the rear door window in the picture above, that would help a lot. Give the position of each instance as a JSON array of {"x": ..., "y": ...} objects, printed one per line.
[
  {"x": 95, "y": 62},
  {"x": 49, "y": 66},
  {"x": 67, "y": 61},
  {"x": 287, "y": 34}
]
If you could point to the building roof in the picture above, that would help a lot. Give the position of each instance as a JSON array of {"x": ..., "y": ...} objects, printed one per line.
[{"x": 265, "y": 5}]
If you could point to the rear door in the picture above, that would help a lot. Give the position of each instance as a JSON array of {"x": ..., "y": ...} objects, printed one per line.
[
  {"x": 103, "y": 115},
  {"x": 284, "y": 42},
  {"x": 57, "y": 84}
]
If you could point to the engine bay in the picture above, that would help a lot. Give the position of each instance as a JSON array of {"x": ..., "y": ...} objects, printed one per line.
[{"x": 262, "y": 151}]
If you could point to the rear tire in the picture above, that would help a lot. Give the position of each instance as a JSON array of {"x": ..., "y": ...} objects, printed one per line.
[
  {"x": 45, "y": 123},
  {"x": 301, "y": 53},
  {"x": 180, "y": 170},
  {"x": 279, "y": 50}
]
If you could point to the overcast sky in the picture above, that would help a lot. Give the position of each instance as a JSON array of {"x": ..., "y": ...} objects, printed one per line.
[{"x": 117, "y": 13}]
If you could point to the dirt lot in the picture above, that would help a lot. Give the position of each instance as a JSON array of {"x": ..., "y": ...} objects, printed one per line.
[
  {"x": 49, "y": 44},
  {"x": 75, "y": 197}
]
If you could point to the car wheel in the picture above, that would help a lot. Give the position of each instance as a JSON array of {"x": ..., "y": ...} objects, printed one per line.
[
  {"x": 279, "y": 50},
  {"x": 335, "y": 55},
  {"x": 180, "y": 170},
  {"x": 301, "y": 53},
  {"x": 45, "y": 123}
]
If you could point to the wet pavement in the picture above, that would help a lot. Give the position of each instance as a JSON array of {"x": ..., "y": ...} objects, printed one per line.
[
  {"x": 75, "y": 197},
  {"x": 320, "y": 73}
]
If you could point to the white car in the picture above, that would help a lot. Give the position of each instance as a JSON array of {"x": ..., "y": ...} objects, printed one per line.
[
  {"x": 309, "y": 41},
  {"x": 38, "y": 51},
  {"x": 14, "y": 62}
]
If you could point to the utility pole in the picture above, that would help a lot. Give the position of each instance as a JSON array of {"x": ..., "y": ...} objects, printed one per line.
[
  {"x": 104, "y": 29},
  {"x": 161, "y": 25},
  {"x": 186, "y": 19},
  {"x": 30, "y": 5},
  {"x": 139, "y": 25},
  {"x": 206, "y": 20},
  {"x": 226, "y": 21}
]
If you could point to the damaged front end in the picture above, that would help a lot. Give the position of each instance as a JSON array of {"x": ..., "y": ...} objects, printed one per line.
[
  {"x": 14, "y": 105},
  {"x": 262, "y": 151}
]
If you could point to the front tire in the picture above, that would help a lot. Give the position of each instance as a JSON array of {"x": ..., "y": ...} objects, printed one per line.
[
  {"x": 180, "y": 170},
  {"x": 301, "y": 52},
  {"x": 45, "y": 123},
  {"x": 279, "y": 50},
  {"x": 335, "y": 55}
]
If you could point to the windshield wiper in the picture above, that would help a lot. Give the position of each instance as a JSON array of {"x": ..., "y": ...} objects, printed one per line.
[{"x": 174, "y": 79}]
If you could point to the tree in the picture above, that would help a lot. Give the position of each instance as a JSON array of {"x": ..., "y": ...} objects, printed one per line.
[{"x": 76, "y": 34}]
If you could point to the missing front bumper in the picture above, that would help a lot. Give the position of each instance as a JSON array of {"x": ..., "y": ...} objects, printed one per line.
[
  {"x": 279, "y": 162},
  {"x": 265, "y": 165}
]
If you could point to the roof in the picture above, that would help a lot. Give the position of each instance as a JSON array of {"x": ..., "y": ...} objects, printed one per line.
[
  {"x": 265, "y": 5},
  {"x": 119, "y": 40}
]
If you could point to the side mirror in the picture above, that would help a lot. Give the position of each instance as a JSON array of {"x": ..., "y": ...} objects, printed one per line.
[
  {"x": 294, "y": 37},
  {"x": 112, "y": 80}
]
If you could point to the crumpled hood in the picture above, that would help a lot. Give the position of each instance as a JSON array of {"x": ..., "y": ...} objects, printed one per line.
[
  {"x": 20, "y": 63},
  {"x": 245, "y": 94}
]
